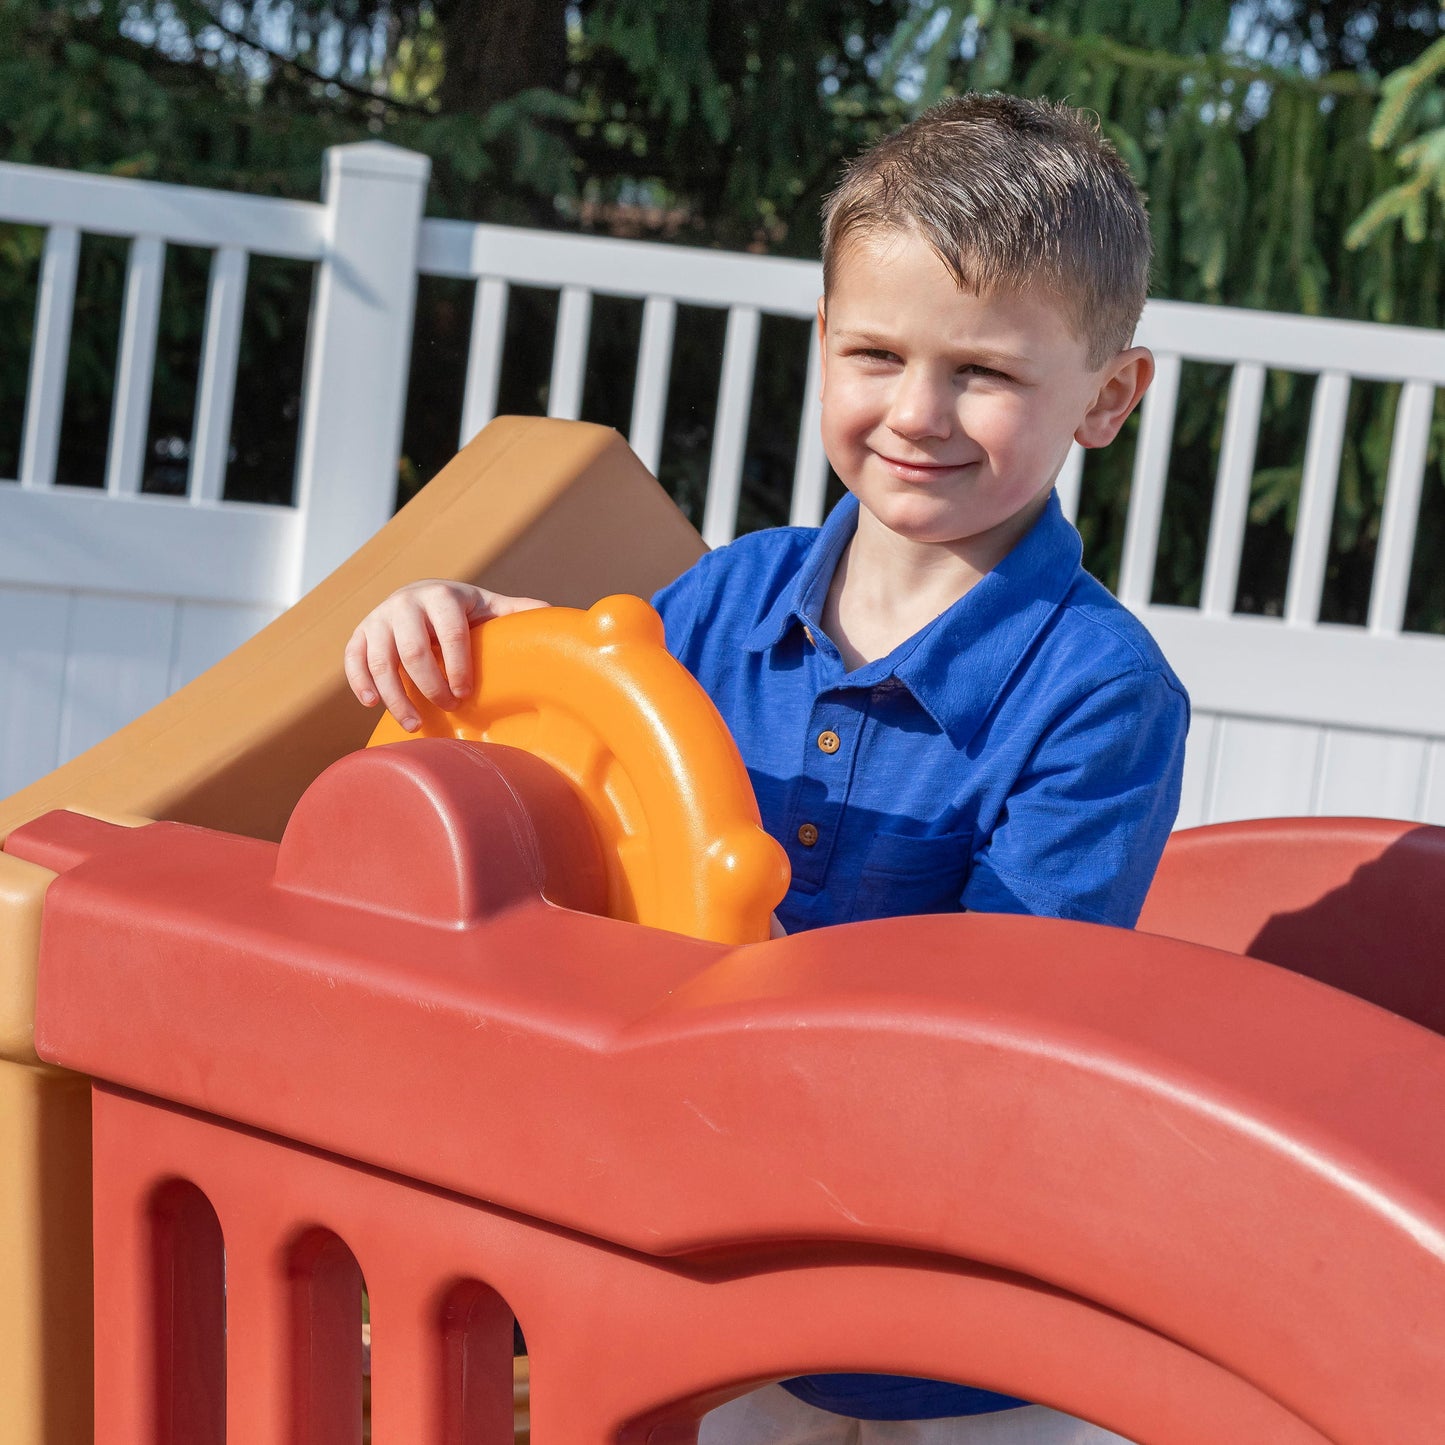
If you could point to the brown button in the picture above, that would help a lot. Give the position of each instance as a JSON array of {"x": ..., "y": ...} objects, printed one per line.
[
  {"x": 828, "y": 741},
  {"x": 807, "y": 835}
]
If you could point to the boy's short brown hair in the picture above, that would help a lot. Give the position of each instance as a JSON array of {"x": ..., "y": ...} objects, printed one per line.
[{"x": 1011, "y": 193}]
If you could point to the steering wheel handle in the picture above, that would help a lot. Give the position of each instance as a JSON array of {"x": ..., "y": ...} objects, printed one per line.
[{"x": 597, "y": 696}]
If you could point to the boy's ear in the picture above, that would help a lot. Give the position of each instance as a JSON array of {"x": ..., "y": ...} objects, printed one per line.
[
  {"x": 822, "y": 342},
  {"x": 1125, "y": 381}
]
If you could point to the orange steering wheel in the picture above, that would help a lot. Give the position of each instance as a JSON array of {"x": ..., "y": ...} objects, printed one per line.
[{"x": 597, "y": 695}]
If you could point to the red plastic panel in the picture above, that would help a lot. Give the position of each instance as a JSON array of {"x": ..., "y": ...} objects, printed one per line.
[
  {"x": 1358, "y": 903},
  {"x": 622, "y": 1346},
  {"x": 60, "y": 840},
  {"x": 1117, "y": 1156}
]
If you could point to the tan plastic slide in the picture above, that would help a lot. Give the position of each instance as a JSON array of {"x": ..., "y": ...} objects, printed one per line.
[{"x": 541, "y": 508}]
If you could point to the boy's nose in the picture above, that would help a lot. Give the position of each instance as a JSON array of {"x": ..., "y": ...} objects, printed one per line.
[{"x": 920, "y": 409}]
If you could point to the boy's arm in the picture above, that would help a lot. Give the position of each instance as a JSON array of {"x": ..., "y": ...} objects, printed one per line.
[{"x": 1081, "y": 834}]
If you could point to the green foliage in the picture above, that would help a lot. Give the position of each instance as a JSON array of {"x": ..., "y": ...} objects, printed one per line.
[
  {"x": 1411, "y": 101},
  {"x": 736, "y": 113},
  {"x": 77, "y": 93},
  {"x": 1282, "y": 173}
]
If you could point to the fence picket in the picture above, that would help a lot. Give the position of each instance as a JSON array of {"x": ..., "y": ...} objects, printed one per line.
[
  {"x": 1070, "y": 480},
  {"x": 1230, "y": 511},
  {"x": 54, "y": 306},
  {"x": 135, "y": 371},
  {"x": 1316, "y": 515},
  {"x": 1395, "y": 553},
  {"x": 357, "y": 352},
  {"x": 569, "y": 356},
  {"x": 649, "y": 392},
  {"x": 484, "y": 357},
  {"x": 1146, "y": 492},
  {"x": 220, "y": 351},
  {"x": 724, "y": 482},
  {"x": 810, "y": 471}
]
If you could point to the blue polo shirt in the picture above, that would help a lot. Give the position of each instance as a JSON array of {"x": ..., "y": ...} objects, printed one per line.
[{"x": 1020, "y": 754}]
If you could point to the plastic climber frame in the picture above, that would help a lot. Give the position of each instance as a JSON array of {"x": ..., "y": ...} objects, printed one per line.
[{"x": 371, "y": 1019}]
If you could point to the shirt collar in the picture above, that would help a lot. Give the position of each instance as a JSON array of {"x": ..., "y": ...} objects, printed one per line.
[
  {"x": 957, "y": 666},
  {"x": 800, "y": 603}
]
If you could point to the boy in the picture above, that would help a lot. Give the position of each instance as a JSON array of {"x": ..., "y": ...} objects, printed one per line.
[{"x": 938, "y": 708}]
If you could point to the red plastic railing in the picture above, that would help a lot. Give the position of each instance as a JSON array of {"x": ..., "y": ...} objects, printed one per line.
[
  {"x": 1191, "y": 1196},
  {"x": 1358, "y": 903}
]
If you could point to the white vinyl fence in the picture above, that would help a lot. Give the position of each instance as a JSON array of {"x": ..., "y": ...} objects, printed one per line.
[{"x": 110, "y": 598}]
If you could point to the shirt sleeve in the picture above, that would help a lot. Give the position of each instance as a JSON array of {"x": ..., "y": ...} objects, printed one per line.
[{"x": 1083, "y": 830}]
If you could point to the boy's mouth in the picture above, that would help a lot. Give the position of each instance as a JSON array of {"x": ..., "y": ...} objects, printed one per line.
[{"x": 919, "y": 471}]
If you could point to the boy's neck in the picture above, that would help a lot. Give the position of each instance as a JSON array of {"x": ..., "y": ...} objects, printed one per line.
[{"x": 886, "y": 587}]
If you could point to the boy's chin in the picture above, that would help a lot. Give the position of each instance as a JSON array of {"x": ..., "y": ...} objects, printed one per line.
[{"x": 924, "y": 521}]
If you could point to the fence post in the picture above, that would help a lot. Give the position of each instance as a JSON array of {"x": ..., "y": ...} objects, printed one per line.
[{"x": 358, "y": 351}]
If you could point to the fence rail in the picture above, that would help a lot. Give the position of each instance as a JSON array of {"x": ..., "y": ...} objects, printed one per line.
[{"x": 1292, "y": 714}]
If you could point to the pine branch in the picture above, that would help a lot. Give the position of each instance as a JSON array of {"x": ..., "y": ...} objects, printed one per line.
[
  {"x": 1407, "y": 202},
  {"x": 1401, "y": 93},
  {"x": 297, "y": 71},
  {"x": 1159, "y": 62}
]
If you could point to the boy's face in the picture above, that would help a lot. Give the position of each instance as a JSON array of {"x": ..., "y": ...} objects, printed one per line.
[{"x": 947, "y": 414}]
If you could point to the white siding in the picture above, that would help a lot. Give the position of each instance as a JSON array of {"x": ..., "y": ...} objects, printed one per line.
[
  {"x": 207, "y": 631},
  {"x": 117, "y": 664},
  {"x": 33, "y": 630},
  {"x": 1262, "y": 769},
  {"x": 1366, "y": 773},
  {"x": 1432, "y": 809},
  {"x": 1199, "y": 766}
]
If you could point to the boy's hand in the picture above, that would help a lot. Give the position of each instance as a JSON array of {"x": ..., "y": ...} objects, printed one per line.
[{"x": 397, "y": 637}]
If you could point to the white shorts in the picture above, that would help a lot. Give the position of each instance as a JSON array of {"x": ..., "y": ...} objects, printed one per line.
[{"x": 771, "y": 1416}]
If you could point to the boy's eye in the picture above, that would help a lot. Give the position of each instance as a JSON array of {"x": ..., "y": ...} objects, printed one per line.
[{"x": 977, "y": 370}]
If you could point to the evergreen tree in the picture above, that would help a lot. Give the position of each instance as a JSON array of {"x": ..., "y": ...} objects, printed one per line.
[{"x": 1293, "y": 152}]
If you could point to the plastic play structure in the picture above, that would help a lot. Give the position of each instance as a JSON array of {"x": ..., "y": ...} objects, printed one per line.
[
  {"x": 484, "y": 1023},
  {"x": 597, "y": 699}
]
